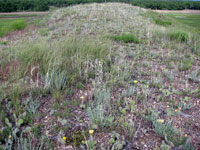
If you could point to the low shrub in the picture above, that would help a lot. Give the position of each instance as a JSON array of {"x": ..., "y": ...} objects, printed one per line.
[
  {"x": 18, "y": 25},
  {"x": 179, "y": 36},
  {"x": 163, "y": 23},
  {"x": 126, "y": 38}
]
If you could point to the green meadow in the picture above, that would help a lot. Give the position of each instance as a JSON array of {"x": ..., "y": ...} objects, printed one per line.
[
  {"x": 192, "y": 20},
  {"x": 9, "y": 25}
]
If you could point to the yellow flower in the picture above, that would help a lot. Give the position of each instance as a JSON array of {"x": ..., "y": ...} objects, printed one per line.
[
  {"x": 91, "y": 132},
  {"x": 64, "y": 138},
  {"x": 82, "y": 97},
  {"x": 135, "y": 81},
  {"x": 10, "y": 137},
  {"x": 176, "y": 110},
  {"x": 161, "y": 120}
]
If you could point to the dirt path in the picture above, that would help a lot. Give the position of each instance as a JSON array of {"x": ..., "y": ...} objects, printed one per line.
[{"x": 178, "y": 11}]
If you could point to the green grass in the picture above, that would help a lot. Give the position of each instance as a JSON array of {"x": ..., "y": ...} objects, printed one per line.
[
  {"x": 71, "y": 55},
  {"x": 179, "y": 36},
  {"x": 8, "y": 25},
  {"x": 162, "y": 22},
  {"x": 126, "y": 38},
  {"x": 192, "y": 20}
]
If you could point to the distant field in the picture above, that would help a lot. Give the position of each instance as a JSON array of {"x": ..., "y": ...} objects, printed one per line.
[
  {"x": 179, "y": 11},
  {"x": 7, "y": 25},
  {"x": 10, "y": 22},
  {"x": 24, "y": 13},
  {"x": 188, "y": 17}
]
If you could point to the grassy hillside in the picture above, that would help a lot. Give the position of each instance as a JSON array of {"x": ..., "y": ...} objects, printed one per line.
[{"x": 101, "y": 76}]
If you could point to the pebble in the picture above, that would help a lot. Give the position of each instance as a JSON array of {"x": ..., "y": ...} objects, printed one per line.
[{"x": 69, "y": 147}]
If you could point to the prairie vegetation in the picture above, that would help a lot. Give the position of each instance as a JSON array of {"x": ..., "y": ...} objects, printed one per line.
[{"x": 101, "y": 76}]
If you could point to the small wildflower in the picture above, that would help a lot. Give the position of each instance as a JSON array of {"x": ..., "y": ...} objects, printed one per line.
[
  {"x": 186, "y": 135},
  {"x": 161, "y": 120},
  {"x": 82, "y": 97},
  {"x": 91, "y": 132},
  {"x": 47, "y": 133},
  {"x": 64, "y": 138},
  {"x": 176, "y": 110},
  {"x": 135, "y": 81},
  {"x": 10, "y": 137}
]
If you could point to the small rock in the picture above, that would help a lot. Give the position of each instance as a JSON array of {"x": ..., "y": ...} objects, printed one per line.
[
  {"x": 185, "y": 115},
  {"x": 69, "y": 147}
]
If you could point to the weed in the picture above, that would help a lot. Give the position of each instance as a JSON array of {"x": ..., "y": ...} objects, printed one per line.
[
  {"x": 77, "y": 137},
  {"x": 194, "y": 76},
  {"x": 3, "y": 42},
  {"x": 91, "y": 142},
  {"x": 32, "y": 106},
  {"x": 96, "y": 115},
  {"x": 164, "y": 146},
  {"x": 132, "y": 90},
  {"x": 117, "y": 141},
  {"x": 24, "y": 144},
  {"x": 55, "y": 80},
  {"x": 185, "y": 65},
  {"x": 129, "y": 128},
  {"x": 166, "y": 130},
  {"x": 163, "y": 23},
  {"x": 179, "y": 36},
  {"x": 170, "y": 74},
  {"x": 126, "y": 38},
  {"x": 18, "y": 25},
  {"x": 44, "y": 31}
]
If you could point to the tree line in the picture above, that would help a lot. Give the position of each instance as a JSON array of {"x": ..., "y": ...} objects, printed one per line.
[{"x": 44, "y": 5}]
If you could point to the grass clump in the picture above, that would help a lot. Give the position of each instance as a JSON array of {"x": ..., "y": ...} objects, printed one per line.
[
  {"x": 18, "y": 25},
  {"x": 10, "y": 25},
  {"x": 179, "y": 36},
  {"x": 186, "y": 64},
  {"x": 166, "y": 130},
  {"x": 162, "y": 22},
  {"x": 3, "y": 42},
  {"x": 75, "y": 56},
  {"x": 126, "y": 38}
]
